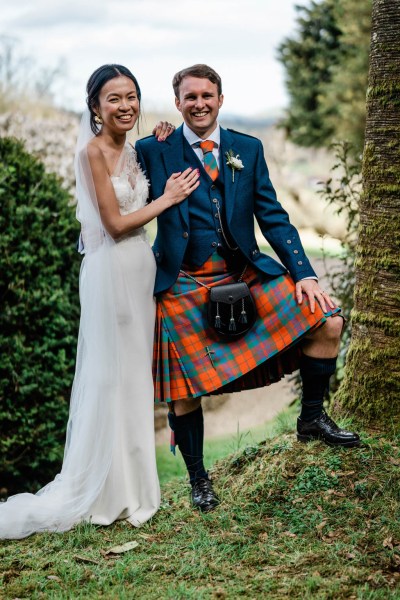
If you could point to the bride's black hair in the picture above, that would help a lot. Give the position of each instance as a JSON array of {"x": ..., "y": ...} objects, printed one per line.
[{"x": 96, "y": 82}]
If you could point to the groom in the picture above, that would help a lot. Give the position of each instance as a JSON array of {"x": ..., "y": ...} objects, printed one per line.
[{"x": 209, "y": 239}]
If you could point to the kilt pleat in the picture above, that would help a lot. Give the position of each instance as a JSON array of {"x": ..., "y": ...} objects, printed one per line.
[{"x": 182, "y": 366}]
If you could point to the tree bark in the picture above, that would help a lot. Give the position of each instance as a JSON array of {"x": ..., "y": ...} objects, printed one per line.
[{"x": 371, "y": 386}]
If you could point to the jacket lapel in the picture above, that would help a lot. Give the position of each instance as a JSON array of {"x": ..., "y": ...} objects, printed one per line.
[
  {"x": 228, "y": 143},
  {"x": 174, "y": 161}
]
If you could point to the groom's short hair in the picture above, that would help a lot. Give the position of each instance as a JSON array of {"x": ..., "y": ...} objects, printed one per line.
[{"x": 200, "y": 71}]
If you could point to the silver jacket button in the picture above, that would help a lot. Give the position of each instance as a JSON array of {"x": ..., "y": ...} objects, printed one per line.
[{"x": 185, "y": 234}]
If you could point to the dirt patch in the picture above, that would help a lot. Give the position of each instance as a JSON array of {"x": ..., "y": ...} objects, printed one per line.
[{"x": 241, "y": 411}]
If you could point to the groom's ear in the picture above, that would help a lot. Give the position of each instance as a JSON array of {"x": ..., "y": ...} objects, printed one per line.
[
  {"x": 178, "y": 104},
  {"x": 221, "y": 100}
]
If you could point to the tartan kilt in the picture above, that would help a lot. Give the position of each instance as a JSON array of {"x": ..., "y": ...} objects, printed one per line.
[{"x": 183, "y": 369}]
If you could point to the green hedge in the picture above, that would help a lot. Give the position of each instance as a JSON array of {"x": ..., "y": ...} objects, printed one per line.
[{"x": 39, "y": 317}]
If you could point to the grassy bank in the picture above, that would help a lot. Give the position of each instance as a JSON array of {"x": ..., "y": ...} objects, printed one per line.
[
  {"x": 295, "y": 522},
  {"x": 215, "y": 449}
]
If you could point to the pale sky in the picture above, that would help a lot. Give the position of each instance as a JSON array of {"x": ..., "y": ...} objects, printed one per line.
[{"x": 156, "y": 38}]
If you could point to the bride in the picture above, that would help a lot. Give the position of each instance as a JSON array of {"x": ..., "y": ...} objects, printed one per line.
[{"x": 109, "y": 469}]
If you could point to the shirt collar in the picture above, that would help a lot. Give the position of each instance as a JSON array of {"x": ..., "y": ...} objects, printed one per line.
[{"x": 193, "y": 138}]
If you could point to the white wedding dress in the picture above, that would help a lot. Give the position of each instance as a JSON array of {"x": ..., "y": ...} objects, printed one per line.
[{"x": 109, "y": 468}]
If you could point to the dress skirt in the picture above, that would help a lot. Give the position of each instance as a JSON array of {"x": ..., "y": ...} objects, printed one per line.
[
  {"x": 131, "y": 490},
  {"x": 191, "y": 360}
]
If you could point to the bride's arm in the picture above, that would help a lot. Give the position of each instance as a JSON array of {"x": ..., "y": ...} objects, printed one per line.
[{"x": 178, "y": 187}]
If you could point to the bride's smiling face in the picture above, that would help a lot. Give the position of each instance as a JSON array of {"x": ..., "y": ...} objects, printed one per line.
[{"x": 119, "y": 105}]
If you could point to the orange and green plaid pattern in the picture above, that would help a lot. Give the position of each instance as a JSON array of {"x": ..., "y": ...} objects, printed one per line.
[
  {"x": 210, "y": 162},
  {"x": 190, "y": 360}
]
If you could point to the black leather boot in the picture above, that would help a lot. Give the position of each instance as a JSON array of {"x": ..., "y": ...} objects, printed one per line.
[
  {"x": 325, "y": 429},
  {"x": 203, "y": 495},
  {"x": 189, "y": 436}
]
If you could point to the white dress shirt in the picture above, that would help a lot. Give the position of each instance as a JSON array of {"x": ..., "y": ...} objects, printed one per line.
[{"x": 193, "y": 139}]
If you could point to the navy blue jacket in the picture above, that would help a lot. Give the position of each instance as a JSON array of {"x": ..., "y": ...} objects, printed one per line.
[{"x": 250, "y": 194}]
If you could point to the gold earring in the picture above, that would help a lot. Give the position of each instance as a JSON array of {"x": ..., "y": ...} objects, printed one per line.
[{"x": 98, "y": 120}]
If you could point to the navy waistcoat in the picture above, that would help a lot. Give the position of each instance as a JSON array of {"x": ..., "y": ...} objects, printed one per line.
[{"x": 204, "y": 226}]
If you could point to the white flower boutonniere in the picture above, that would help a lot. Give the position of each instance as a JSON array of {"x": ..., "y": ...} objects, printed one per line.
[{"x": 234, "y": 163}]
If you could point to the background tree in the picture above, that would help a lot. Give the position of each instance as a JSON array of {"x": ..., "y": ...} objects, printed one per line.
[
  {"x": 343, "y": 98},
  {"x": 326, "y": 65},
  {"x": 308, "y": 58},
  {"x": 39, "y": 312},
  {"x": 371, "y": 386}
]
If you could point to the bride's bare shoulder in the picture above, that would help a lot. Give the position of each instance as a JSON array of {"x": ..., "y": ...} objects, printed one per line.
[
  {"x": 95, "y": 153},
  {"x": 93, "y": 149}
]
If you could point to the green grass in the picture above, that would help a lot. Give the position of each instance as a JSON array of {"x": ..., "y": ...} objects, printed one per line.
[{"x": 296, "y": 521}]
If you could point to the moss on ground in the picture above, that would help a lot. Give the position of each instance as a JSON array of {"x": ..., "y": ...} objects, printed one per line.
[{"x": 296, "y": 521}]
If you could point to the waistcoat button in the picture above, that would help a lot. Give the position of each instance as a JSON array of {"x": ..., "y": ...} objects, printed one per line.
[{"x": 185, "y": 234}]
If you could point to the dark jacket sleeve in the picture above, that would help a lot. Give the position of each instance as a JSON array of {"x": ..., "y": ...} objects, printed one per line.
[{"x": 275, "y": 224}]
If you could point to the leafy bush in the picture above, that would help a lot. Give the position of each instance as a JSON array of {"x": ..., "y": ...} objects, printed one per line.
[
  {"x": 343, "y": 191},
  {"x": 39, "y": 312}
]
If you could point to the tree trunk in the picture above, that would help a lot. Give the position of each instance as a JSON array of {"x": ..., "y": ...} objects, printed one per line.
[{"x": 371, "y": 386}]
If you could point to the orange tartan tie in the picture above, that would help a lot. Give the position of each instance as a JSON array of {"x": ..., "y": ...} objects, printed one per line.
[{"x": 210, "y": 164}]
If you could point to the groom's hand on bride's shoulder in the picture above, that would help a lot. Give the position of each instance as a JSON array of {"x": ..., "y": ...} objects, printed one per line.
[{"x": 162, "y": 130}]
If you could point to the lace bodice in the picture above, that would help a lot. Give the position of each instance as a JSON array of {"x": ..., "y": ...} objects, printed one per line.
[{"x": 130, "y": 184}]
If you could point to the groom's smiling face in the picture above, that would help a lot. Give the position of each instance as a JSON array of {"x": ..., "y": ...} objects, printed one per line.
[{"x": 199, "y": 104}]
